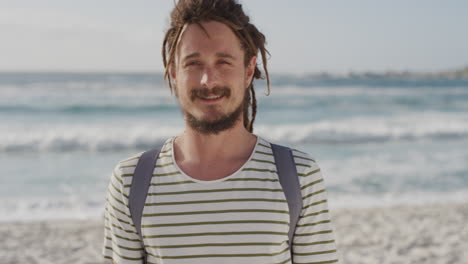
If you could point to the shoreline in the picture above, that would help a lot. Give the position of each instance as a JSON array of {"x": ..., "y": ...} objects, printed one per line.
[{"x": 432, "y": 233}]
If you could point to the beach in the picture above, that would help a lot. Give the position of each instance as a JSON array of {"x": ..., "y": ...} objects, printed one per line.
[
  {"x": 404, "y": 234},
  {"x": 400, "y": 234},
  {"x": 379, "y": 142}
]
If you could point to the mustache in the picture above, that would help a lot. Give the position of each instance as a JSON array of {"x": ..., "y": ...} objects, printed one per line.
[{"x": 204, "y": 92}]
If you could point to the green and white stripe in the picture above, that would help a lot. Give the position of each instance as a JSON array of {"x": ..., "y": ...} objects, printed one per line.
[{"x": 242, "y": 218}]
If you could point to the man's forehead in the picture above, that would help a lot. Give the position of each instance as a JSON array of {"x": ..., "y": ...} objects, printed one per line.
[{"x": 214, "y": 37}]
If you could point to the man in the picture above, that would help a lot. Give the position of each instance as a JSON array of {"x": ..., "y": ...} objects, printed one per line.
[{"x": 215, "y": 195}]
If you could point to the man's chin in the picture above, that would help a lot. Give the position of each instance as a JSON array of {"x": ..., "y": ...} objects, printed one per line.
[{"x": 212, "y": 124}]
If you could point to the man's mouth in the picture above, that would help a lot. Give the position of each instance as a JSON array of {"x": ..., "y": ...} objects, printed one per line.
[
  {"x": 210, "y": 95},
  {"x": 211, "y": 98}
]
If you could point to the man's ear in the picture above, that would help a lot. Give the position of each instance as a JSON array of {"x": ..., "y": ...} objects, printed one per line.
[
  {"x": 250, "y": 70},
  {"x": 172, "y": 71},
  {"x": 172, "y": 79}
]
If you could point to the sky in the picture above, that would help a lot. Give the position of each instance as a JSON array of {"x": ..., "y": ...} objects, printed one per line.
[{"x": 303, "y": 36}]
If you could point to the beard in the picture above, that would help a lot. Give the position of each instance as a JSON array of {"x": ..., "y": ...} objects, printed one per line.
[{"x": 220, "y": 122}]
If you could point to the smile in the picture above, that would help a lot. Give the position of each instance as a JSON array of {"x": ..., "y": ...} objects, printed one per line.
[{"x": 211, "y": 98}]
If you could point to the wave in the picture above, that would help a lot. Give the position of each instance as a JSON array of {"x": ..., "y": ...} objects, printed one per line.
[
  {"x": 26, "y": 78},
  {"x": 359, "y": 200},
  {"x": 42, "y": 208},
  {"x": 82, "y": 109},
  {"x": 83, "y": 137},
  {"x": 47, "y": 208},
  {"x": 118, "y": 136},
  {"x": 144, "y": 90},
  {"x": 292, "y": 98},
  {"x": 357, "y": 130}
]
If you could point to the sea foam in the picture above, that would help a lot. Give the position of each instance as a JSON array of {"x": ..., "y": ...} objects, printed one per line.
[{"x": 141, "y": 135}]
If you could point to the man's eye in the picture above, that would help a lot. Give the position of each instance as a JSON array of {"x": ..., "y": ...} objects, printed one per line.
[
  {"x": 224, "y": 62},
  {"x": 193, "y": 63}
]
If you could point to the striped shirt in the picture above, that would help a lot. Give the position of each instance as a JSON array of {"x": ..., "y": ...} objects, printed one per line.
[{"x": 242, "y": 218}]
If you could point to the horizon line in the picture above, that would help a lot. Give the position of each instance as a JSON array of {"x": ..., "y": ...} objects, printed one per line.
[{"x": 349, "y": 72}]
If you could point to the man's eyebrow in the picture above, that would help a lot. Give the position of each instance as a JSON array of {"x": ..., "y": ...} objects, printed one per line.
[
  {"x": 218, "y": 54},
  {"x": 192, "y": 55},
  {"x": 225, "y": 55}
]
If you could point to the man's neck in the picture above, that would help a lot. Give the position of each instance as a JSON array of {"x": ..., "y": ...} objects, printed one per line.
[{"x": 232, "y": 144}]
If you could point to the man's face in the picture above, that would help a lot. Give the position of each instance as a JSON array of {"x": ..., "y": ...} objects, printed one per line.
[{"x": 210, "y": 77}]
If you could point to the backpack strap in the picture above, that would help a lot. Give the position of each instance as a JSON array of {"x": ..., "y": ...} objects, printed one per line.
[
  {"x": 139, "y": 189},
  {"x": 285, "y": 167},
  {"x": 289, "y": 181}
]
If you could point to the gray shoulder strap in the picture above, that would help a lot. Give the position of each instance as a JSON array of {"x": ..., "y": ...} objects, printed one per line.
[
  {"x": 289, "y": 180},
  {"x": 285, "y": 166},
  {"x": 140, "y": 185}
]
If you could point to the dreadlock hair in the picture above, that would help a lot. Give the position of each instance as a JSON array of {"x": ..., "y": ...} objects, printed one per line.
[{"x": 230, "y": 13}]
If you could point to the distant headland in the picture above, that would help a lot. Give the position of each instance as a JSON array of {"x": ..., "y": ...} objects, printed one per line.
[
  {"x": 454, "y": 74},
  {"x": 457, "y": 77},
  {"x": 454, "y": 78}
]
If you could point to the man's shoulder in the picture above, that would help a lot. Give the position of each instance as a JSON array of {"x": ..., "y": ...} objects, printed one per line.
[
  {"x": 129, "y": 163},
  {"x": 307, "y": 168},
  {"x": 125, "y": 168},
  {"x": 304, "y": 161},
  {"x": 130, "y": 160},
  {"x": 302, "y": 157}
]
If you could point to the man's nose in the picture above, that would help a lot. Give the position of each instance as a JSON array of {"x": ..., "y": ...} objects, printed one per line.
[{"x": 209, "y": 78}]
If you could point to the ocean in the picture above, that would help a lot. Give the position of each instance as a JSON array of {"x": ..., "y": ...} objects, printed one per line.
[{"x": 379, "y": 142}]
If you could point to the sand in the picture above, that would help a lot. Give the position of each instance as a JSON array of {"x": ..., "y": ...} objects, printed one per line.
[
  {"x": 65, "y": 241},
  {"x": 404, "y": 234}
]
